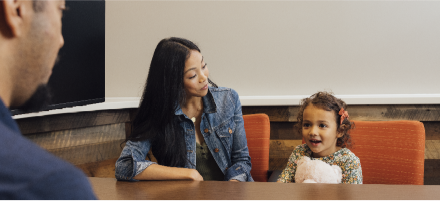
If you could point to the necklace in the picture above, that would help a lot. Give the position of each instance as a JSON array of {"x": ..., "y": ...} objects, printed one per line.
[
  {"x": 197, "y": 112},
  {"x": 193, "y": 119}
]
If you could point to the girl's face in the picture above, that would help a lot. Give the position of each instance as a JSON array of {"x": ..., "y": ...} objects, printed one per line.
[
  {"x": 319, "y": 130},
  {"x": 195, "y": 75}
]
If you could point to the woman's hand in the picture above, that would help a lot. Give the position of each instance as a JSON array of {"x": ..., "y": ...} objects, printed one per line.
[{"x": 194, "y": 175}]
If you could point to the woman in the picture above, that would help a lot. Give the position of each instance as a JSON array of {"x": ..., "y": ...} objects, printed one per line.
[{"x": 195, "y": 131}]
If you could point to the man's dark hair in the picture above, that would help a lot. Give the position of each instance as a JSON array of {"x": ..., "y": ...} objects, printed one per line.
[
  {"x": 38, "y": 5},
  {"x": 39, "y": 100}
]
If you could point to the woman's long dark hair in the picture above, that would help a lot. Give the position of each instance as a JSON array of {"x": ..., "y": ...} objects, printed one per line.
[{"x": 163, "y": 93}]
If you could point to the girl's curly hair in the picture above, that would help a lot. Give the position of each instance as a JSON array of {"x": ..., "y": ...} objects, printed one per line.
[{"x": 326, "y": 101}]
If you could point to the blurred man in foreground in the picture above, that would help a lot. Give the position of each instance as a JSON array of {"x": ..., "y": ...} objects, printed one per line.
[{"x": 30, "y": 37}]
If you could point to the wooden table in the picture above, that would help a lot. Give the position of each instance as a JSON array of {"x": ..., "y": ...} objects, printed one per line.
[{"x": 111, "y": 189}]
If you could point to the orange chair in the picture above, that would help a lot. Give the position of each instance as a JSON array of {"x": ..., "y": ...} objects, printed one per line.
[
  {"x": 257, "y": 128},
  {"x": 391, "y": 152}
]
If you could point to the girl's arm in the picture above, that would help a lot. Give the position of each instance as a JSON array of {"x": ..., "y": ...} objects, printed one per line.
[
  {"x": 132, "y": 165},
  {"x": 352, "y": 171}
]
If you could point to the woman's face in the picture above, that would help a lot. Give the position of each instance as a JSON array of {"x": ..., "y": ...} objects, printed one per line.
[{"x": 195, "y": 75}]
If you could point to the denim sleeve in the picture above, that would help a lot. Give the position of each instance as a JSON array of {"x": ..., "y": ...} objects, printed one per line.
[
  {"x": 132, "y": 160},
  {"x": 241, "y": 161},
  {"x": 241, "y": 177}
]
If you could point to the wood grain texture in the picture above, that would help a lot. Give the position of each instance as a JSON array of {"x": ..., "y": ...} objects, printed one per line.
[
  {"x": 280, "y": 151},
  {"x": 80, "y": 136},
  {"x": 275, "y": 113},
  {"x": 277, "y": 163},
  {"x": 83, "y": 145},
  {"x": 110, "y": 189},
  {"x": 432, "y": 149},
  {"x": 284, "y": 131},
  {"x": 432, "y": 172},
  {"x": 105, "y": 168},
  {"x": 357, "y": 112},
  {"x": 432, "y": 130},
  {"x": 90, "y": 152},
  {"x": 72, "y": 120},
  {"x": 282, "y": 148}
]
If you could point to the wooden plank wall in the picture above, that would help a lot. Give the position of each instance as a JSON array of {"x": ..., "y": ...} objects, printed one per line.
[
  {"x": 92, "y": 140},
  {"x": 283, "y": 138}
]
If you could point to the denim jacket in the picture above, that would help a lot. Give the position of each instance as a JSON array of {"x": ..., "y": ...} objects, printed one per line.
[{"x": 222, "y": 128}]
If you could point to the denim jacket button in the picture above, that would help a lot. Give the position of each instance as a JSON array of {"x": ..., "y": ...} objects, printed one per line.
[
  {"x": 230, "y": 131},
  {"x": 206, "y": 130},
  {"x": 216, "y": 150}
]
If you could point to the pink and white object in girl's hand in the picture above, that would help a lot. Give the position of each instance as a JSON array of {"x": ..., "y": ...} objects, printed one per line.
[{"x": 317, "y": 171}]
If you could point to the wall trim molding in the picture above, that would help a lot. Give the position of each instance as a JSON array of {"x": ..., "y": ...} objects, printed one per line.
[
  {"x": 113, "y": 103},
  {"x": 364, "y": 99}
]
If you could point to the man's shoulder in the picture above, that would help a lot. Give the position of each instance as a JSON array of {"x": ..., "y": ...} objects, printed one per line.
[
  {"x": 29, "y": 172},
  {"x": 19, "y": 153}
]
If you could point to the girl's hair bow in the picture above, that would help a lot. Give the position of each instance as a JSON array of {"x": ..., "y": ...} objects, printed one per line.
[{"x": 344, "y": 114}]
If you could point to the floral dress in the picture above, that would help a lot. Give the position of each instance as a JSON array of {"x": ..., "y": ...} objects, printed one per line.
[{"x": 344, "y": 158}]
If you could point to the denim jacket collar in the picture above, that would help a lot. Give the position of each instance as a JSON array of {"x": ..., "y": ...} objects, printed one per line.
[{"x": 209, "y": 105}]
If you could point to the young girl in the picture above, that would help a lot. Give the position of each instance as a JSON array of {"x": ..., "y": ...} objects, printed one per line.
[{"x": 324, "y": 124}]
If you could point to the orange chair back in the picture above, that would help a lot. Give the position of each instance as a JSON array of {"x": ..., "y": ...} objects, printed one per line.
[
  {"x": 391, "y": 152},
  {"x": 257, "y": 128}
]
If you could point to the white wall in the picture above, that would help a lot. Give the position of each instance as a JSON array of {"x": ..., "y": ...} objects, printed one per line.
[{"x": 274, "y": 53}]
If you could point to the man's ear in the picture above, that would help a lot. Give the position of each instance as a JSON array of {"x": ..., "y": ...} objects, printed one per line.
[{"x": 13, "y": 12}]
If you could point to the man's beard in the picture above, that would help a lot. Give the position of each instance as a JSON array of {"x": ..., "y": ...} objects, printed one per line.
[{"x": 39, "y": 100}]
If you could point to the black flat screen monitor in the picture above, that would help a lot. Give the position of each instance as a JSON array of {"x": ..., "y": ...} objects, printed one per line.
[{"x": 79, "y": 76}]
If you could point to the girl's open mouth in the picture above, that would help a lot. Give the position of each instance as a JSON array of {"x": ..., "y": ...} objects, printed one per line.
[{"x": 315, "y": 142}]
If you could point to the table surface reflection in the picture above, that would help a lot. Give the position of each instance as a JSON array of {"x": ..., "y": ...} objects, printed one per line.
[{"x": 111, "y": 189}]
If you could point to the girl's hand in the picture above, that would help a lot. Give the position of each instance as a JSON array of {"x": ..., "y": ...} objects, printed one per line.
[
  {"x": 194, "y": 175},
  {"x": 234, "y": 180}
]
